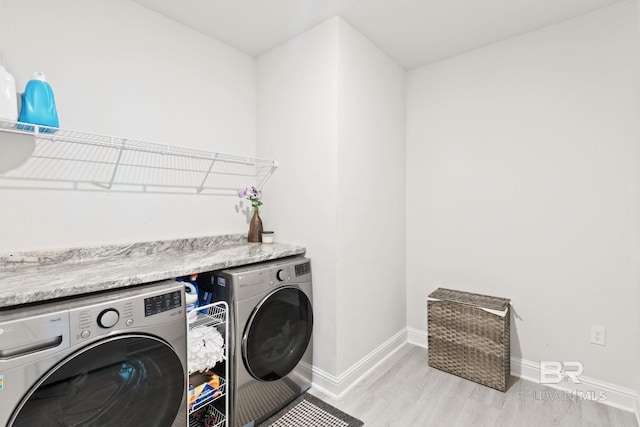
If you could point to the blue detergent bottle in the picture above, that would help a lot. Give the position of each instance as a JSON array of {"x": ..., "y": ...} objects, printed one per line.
[{"x": 38, "y": 104}]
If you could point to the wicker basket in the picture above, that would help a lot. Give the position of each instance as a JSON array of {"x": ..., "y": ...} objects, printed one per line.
[{"x": 468, "y": 341}]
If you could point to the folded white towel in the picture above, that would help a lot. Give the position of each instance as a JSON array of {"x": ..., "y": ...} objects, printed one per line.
[{"x": 205, "y": 348}]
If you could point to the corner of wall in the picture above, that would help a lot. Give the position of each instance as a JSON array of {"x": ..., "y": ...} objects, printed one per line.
[
  {"x": 417, "y": 337},
  {"x": 337, "y": 386}
]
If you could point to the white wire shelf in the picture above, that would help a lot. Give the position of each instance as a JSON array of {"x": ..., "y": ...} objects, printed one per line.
[
  {"x": 210, "y": 315},
  {"x": 210, "y": 396},
  {"x": 61, "y": 156}
]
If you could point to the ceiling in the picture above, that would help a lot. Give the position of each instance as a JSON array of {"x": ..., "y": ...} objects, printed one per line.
[{"x": 413, "y": 32}]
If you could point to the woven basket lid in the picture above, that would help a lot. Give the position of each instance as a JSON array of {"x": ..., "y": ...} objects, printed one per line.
[{"x": 477, "y": 300}]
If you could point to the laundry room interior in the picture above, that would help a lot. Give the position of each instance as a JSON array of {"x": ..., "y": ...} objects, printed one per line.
[{"x": 401, "y": 147}]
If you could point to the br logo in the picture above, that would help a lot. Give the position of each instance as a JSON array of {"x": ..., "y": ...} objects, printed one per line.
[{"x": 552, "y": 371}]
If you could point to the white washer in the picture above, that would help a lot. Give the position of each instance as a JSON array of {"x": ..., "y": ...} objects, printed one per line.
[
  {"x": 271, "y": 348},
  {"x": 115, "y": 358}
]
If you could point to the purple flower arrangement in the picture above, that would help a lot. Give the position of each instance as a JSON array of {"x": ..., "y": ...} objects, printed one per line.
[{"x": 253, "y": 195}]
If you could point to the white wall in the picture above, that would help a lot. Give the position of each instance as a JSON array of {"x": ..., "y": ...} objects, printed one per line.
[
  {"x": 120, "y": 69},
  {"x": 371, "y": 197},
  {"x": 297, "y": 124},
  {"x": 522, "y": 182},
  {"x": 331, "y": 108}
]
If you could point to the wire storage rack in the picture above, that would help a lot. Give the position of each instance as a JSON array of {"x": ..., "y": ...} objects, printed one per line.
[
  {"x": 61, "y": 158},
  {"x": 207, "y": 410},
  {"x": 219, "y": 419}
]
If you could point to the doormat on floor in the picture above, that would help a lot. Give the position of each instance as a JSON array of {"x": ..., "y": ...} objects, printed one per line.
[{"x": 309, "y": 411}]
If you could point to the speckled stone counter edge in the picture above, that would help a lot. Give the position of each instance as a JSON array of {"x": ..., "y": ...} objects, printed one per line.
[
  {"x": 89, "y": 253},
  {"x": 43, "y": 276}
]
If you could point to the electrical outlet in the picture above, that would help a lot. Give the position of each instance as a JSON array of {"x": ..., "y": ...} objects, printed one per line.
[{"x": 598, "y": 335}]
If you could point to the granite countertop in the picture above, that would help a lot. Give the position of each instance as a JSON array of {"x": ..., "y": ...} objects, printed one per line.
[{"x": 29, "y": 277}]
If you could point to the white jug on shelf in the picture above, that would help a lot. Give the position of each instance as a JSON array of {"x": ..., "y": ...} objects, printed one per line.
[
  {"x": 191, "y": 299},
  {"x": 8, "y": 96}
]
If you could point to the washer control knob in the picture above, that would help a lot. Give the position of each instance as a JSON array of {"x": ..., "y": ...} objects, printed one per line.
[
  {"x": 108, "y": 318},
  {"x": 85, "y": 334},
  {"x": 129, "y": 322},
  {"x": 280, "y": 275}
]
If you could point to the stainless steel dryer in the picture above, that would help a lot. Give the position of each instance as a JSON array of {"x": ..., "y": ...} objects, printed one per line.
[
  {"x": 272, "y": 323},
  {"x": 116, "y": 358}
]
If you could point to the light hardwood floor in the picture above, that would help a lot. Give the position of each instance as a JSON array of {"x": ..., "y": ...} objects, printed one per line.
[{"x": 405, "y": 392}]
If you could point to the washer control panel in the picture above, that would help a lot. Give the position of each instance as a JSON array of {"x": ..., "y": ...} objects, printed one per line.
[
  {"x": 127, "y": 309},
  {"x": 161, "y": 303}
]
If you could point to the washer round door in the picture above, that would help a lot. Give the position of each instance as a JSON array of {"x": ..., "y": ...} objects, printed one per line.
[
  {"x": 128, "y": 380},
  {"x": 277, "y": 334}
]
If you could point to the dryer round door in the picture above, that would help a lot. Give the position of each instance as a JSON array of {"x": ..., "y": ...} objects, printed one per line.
[
  {"x": 128, "y": 380},
  {"x": 277, "y": 334}
]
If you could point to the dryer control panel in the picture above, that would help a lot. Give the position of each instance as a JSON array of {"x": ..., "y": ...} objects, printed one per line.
[
  {"x": 291, "y": 272},
  {"x": 248, "y": 281}
]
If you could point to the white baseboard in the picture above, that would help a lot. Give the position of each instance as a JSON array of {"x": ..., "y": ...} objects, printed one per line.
[
  {"x": 613, "y": 395},
  {"x": 418, "y": 337},
  {"x": 336, "y": 387}
]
